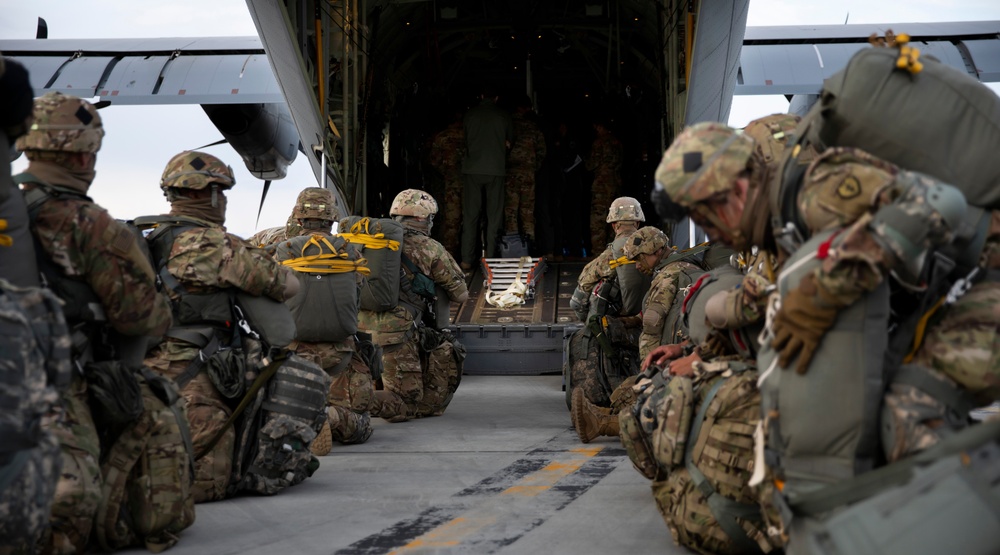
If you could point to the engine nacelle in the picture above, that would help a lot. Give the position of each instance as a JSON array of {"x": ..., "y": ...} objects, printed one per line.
[{"x": 263, "y": 134}]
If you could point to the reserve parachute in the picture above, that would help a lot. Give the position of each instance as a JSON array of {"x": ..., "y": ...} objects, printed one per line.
[{"x": 380, "y": 241}]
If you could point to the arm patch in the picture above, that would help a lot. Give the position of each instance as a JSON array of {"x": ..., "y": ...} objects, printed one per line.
[{"x": 122, "y": 242}]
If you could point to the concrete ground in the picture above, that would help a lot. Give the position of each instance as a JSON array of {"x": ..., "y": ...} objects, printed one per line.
[{"x": 501, "y": 472}]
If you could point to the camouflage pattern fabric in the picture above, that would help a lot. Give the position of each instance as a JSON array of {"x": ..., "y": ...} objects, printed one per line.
[
  {"x": 912, "y": 420},
  {"x": 402, "y": 373},
  {"x": 703, "y": 161},
  {"x": 35, "y": 362},
  {"x": 584, "y": 351},
  {"x": 207, "y": 411},
  {"x": 723, "y": 453},
  {"x": 352, "y": 391},
  {"x": 663, "y": 292},
  {"x": 272, "y": 235},
  {"x": 86, "y": 243},
  {"x": 315, "y": 203},
  {"x": 444, "y": 371},
  {"x": 78, "y": 492},
  {"x": 447, "y": 151},
  {"x": 63, "y": 123},
  {"x": 524, "y": 159},
  {"x": 605, "y": 161},
  {"x": 596, "y": 270}
]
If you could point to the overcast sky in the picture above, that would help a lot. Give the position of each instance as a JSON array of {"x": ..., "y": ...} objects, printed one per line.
[{"x": 140, "y": 139}]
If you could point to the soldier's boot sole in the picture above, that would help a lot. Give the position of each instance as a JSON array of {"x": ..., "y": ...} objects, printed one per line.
[{"x": 323, "y": 444}]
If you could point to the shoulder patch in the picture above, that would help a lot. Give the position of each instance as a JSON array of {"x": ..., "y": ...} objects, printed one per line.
[
  {"x": 122, "y": 242},
  {"x": 849, "y": 188}
]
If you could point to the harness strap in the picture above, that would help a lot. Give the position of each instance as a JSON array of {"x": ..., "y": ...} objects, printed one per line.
[
  {"x": 950, "y": 395},
  {"x": 725, "y": 510},
  {"x": 198, "y": 362}
]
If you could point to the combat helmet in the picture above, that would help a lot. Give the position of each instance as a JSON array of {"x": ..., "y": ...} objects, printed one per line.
[
  {"x": 63, "y": 124},
  {"x": 647, "y": 240},
  {"x": 315, "y": 203},
  {"x": 703, "y": 162},
  {"x": 414, "y": 203},
  {"x": 625, "y": 209},
  {"x": 196, "y": 170}
]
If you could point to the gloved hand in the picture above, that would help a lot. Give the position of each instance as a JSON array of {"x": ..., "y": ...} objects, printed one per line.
[
  {"x": 805, "y": 315},
  {"x": 662, "y": 354}
]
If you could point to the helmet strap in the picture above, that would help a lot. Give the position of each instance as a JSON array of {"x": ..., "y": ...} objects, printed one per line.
[{"x": 215, "y": 195}]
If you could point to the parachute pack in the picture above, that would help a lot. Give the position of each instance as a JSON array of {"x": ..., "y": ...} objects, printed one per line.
[
  {"x": 380, "y": 241},
  {"x": 326, "y": 307},
  {"x": 146, "y": 498}
]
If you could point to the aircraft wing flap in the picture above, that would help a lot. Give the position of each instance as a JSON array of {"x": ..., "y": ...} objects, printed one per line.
[{"x": 986, "y": 56}]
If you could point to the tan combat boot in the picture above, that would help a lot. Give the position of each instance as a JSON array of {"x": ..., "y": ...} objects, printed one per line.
[
  {"x": 591, "y": 420},
  {"x": 323, "y": 443}
]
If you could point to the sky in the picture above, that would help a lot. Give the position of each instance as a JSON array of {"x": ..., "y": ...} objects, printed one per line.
[{"x": 140, "y": 139}]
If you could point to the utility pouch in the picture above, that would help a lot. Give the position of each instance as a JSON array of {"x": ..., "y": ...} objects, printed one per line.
[
  {"x": 264, "y": 318},
  {"x": 199, "y": 309},
  {"x": 114, "y": 393},
  {"x": 371, "y": 353}
]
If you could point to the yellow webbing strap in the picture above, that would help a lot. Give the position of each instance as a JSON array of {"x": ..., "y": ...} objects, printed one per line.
[
  {"x": 328, "y": 263},
  {"x": 918, "y": 334},
  {"x": 909, "y": 57},
  {"x": 359, "y": 235},
  {"x": 5, "y": 240},
  {"x": 620, "y": 261}
]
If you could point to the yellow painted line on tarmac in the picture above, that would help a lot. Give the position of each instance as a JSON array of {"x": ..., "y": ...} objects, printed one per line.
[{"x": 453, "y": 532}]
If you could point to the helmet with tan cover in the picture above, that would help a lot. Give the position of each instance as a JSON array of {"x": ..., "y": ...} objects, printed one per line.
[
  {"x": 703, "y": 162},
  {"x": 647, "y": 240},
  {"x": 625, "y": 209},
  {"x": 315, "y": 203},
  {"x": 414, "y": 203},
  {"x": 63, "y": 124},
  {"x": 196, "y": 170}
]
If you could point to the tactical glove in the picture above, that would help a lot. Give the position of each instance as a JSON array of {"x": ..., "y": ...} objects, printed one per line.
[{"x": 805, "y": 315}]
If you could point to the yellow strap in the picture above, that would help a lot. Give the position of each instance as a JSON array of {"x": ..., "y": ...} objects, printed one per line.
[
  {"x": 909, "y": 57},
  {"x": 331, "y": 262},
  {"x": 918, "y": 335},
  {"x": 6, "y": 240},
  {"x": 620, "y": 261}
]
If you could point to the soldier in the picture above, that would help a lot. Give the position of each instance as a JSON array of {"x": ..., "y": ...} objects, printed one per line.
[
  {"x": 406, "y": 340},
  {"x": 201, "y": 266},
  {"x": 649, "y": 248},
  {"x": 94, "y": 264},
  {"x": 489, "y": 134},
  {"x": 524, "y": 159},
  {"x": 624, "y": 215},
  {"x": 272, "y": 235},
  {"x": 605, "y": 161},
  {"x": 327, "y": 307},
  {"x": 447, "y": 151},
  {"x": 34, "y": 349}
]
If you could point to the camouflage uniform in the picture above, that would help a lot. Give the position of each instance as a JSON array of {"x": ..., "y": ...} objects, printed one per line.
[
  {"x": 352, "y": 391},
  {"x": 205, "y": 260},
  {"x": 424, "y": 378},
  {"x": 34, "y": 365},
  {"x": 524, "y": 159},
  {"x": 272, "y": 235},
  {"x": 87, "y": 245},
  {"x": 447, "y": 151},
  {"x": 605, "y": 161}
]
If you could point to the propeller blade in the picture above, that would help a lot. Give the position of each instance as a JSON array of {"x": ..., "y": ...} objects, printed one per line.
[
  {"x": 219, "y": 142},
  {"x": 263, "y": 195},
  {"x": 42, "y": 30}
]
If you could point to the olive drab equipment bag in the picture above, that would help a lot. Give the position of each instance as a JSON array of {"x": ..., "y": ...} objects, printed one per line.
[
  {"x": 326, "y": 307},
  {"x": 289, "y": 399},
  {"x": 380, "y": 241},
  {"x": 146, "y": 498},
  {"x": 916, "y": 112},
  {"x": 704, "y": 496},
  {"x": 942, "y": 500},
  {"x": 822, "y": 427},
  {"x": 632, "y": 283}
]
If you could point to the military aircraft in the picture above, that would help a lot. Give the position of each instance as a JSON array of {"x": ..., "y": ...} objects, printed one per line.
[
  {"x": 394, "y": 71},
  {"x": 357, "y": 87}
]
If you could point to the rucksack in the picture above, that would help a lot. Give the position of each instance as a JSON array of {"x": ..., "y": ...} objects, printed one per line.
[
  {"x": 380, "y": 241},
  {"x": 326, "y": 306},
  {"x": 705, "y": 497},
  {"x": 146, "y": 497},
  {"x": 272, "y": 447}
]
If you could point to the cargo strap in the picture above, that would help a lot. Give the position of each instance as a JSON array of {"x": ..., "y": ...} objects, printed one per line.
[
  {"x": 265, "y": 374},
  {"x": 725, "y": 510},
  {"x": 360, "y": 235},
  {"x": 196, "y": 364},
  {"x": 326, "y": 262},
  {"x": 620, "y": 261},
  {"x": 866, "y": 485}
]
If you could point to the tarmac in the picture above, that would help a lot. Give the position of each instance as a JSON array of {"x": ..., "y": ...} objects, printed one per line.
[{"x": 502, "y": 471}]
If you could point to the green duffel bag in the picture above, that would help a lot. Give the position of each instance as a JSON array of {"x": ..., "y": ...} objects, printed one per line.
[{"x": 930, "y": 118}]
